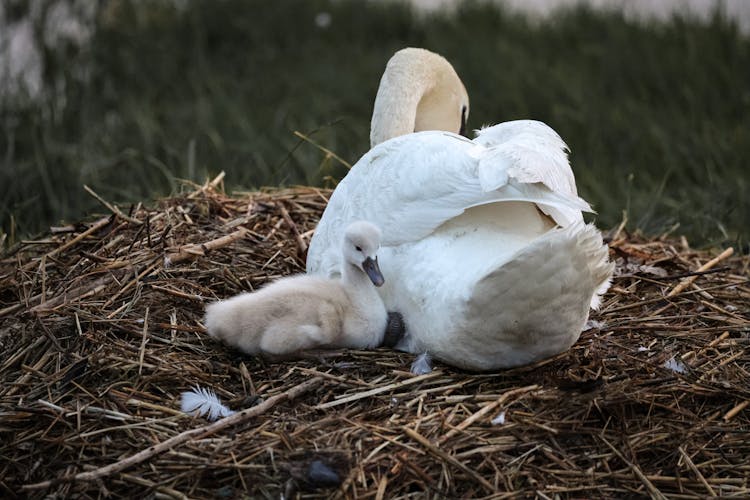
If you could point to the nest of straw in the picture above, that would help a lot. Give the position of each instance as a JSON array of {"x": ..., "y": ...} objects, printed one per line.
[{"x": 100, "y": 332}]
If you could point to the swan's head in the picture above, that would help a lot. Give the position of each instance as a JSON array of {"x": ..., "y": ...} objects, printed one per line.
[
  {"x": 361, "y": 244},
  {"x": 419, "y": 90}
]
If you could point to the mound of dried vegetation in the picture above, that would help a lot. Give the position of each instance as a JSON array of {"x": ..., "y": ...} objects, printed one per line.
[{"x": 100, "y": 332}]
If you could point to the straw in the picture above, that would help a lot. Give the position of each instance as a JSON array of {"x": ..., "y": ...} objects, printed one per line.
[{"x": 100, "y": 337}]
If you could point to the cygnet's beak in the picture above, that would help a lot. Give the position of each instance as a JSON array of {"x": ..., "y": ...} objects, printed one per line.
[{"x": 372, "y": 269}]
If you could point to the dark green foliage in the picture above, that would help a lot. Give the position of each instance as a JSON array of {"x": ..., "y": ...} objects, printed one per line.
[{"x": 656, "y": 115}]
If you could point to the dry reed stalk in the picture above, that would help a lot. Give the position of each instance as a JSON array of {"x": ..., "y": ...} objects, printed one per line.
[
  {"x": 328, "y": 152},
  {"x": 297, "y": 236},
  {"x": 192, "y": 251},
  {"x": 111, "y": 207},
  {"x": 705, "y": 267}
]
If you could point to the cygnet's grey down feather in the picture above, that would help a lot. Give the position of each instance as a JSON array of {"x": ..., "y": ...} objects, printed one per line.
[{"x": 306, "y": 312}]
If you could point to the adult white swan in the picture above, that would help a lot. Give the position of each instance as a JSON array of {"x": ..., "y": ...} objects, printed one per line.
[{"x": 484, "y": 249}]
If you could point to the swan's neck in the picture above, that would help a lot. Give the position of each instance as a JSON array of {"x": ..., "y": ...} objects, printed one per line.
[
  {"x": 419, "y": 90},
  {"x": 358, "y": 285}
]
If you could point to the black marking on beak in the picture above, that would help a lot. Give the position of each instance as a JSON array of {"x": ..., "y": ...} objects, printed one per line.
[
  {"x": 462, "y": 130},
  {"x": 372, "y": 269}
]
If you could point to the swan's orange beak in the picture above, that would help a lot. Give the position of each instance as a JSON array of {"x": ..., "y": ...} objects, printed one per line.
[{"x": 372, "y": 269}]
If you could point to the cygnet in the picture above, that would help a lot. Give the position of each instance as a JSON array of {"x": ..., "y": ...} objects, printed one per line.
[{"x": 306, "y": 312}]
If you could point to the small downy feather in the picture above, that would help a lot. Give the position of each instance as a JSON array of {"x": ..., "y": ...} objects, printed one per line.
[
  {"x": 204, "y": 402},
  {"x": 422, "y": 365}
]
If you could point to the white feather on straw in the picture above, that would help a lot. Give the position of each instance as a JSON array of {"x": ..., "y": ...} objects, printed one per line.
[
  {"x": 204, "y": 402},
  {"x": 422, "y": 365},
  {"x": 675, "y": 365},
  {"x": 499, "y": 419}
]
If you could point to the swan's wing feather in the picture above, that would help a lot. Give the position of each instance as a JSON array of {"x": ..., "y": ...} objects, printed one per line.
[
  {"x": 407, "y": 186},
  {"x": 564, "y": 209},
  {"x": 410, "y": 185},
  {"x": 533, "y": 152}
]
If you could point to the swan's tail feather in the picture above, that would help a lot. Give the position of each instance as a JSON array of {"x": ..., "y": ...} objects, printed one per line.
[
  {"x": 592, "y": 245},
  {"x": 535, "y": 304}
]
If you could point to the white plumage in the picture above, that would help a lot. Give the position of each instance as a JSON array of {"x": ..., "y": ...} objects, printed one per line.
[
  {"x": 306, "y": 312},
  {"x": 204, "y": 403},
  {"x": 488, "y": 258}
]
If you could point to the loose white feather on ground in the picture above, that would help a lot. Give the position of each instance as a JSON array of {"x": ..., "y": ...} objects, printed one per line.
[{"x": 204, "y": 402}]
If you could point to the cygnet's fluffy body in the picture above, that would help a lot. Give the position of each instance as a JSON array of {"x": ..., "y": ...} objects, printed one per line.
[{"x": 307, "y": 312}]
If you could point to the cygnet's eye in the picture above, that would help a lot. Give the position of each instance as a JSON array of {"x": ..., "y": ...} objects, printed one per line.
[{"x": 359, "y": 249}]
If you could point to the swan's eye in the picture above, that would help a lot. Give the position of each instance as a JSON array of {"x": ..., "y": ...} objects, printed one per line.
[{"x": 359, "y": 249}]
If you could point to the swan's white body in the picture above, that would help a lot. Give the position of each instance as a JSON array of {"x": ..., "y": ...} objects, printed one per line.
[
  {"x": 306, "y": 312},
  {"x": 484, "y": 244}
]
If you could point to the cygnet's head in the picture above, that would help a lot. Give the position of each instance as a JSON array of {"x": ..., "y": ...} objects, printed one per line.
[{"x": 361, "y": 244}]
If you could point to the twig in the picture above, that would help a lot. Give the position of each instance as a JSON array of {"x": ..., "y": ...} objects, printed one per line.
[
  {"x": 288, "y": 218},
  {"x": 124, "y": 287},
  {"x": 217, "y": 180},
  {"x": 448, "y": 458},
  {"x": 111, "y": 207},
  {"x": 377, "y": 390},
  {"x": 695, "y": 470},
  {"x": 82, "y": 291},
  {"x": 160, "y": 488},
  {"x": 324, "y": 149},
  {"x": 734, "y": 411},
  {"x": 696, "y": 273},
  {"x": 212, "y": 184},
  {"x": 655, "y": 493},
  {"x": 94, "y": 228},
  {"x": 142, "y": 350},
  {"x": 190, "y": 251},
  {"x": 11, "y": 309},
  {"x": 682, "y": 285},
  {"x": 197, "y": 433},
  {"x": 487, "y": 409},
  {"x": 177, "y": 293},
  {"x": 622, "y": 225}
]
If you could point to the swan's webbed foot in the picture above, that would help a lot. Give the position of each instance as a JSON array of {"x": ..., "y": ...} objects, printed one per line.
[
  {"x": 422, "y": 365},
  {"x": 394, "y": 330}
]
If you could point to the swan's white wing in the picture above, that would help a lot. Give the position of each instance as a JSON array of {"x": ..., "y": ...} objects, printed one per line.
[
  {"x": 410, "y": 185},
  {"x": 534, "y": 151},
  {"x": 407, "y": 186}
]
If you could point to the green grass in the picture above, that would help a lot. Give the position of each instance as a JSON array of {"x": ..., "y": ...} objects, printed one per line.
[{"x": 655, "y": 115}]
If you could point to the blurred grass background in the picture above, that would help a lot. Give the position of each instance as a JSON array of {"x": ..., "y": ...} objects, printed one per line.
[{"x": 656, "y": 114}]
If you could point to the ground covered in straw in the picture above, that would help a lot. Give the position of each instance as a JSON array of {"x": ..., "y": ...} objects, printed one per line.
[{"x": 100, "y": 332}]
